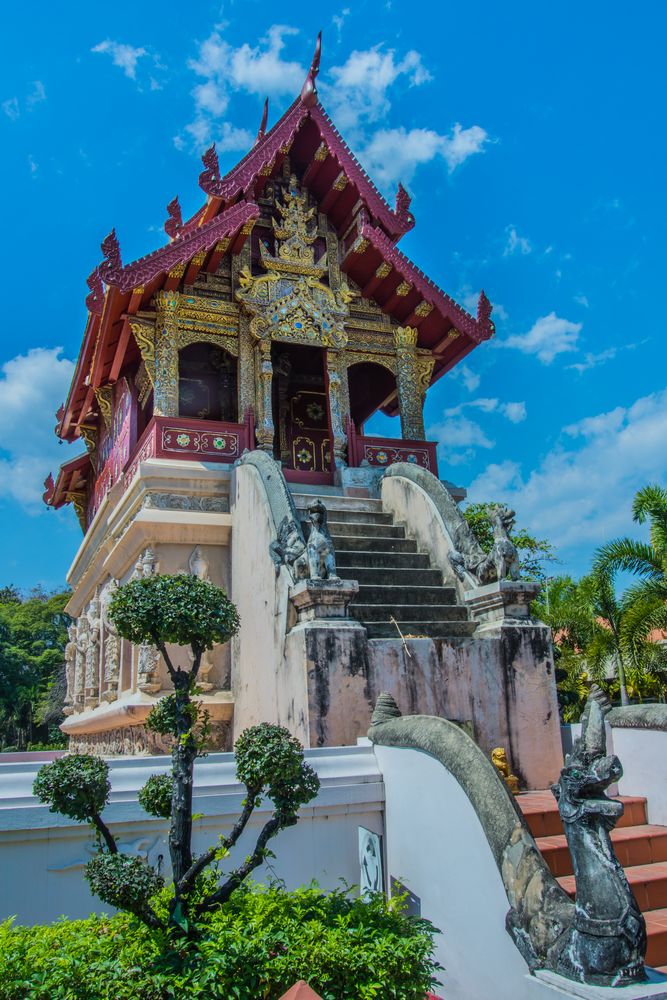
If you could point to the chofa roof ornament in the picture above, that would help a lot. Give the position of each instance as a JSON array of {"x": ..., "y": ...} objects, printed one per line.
[
  {"x": 262, "y": 126},
  {"x": 174, "y": 222},
  {"x": 309, "y": 90}
]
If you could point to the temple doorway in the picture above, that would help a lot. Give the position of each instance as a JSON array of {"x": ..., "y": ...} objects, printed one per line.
[
  {"x": 372, "y": 388},
  {"x": 300, "y": 408},
  {"x": 207, "y": 383}
]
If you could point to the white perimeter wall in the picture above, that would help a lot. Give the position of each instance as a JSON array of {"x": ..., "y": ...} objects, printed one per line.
[
  {"x": 43, "y": 854},
  {"x": 437, "y": 849}
]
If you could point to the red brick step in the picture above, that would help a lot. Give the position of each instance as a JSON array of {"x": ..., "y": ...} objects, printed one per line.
[{"x": 641, "y": 847}]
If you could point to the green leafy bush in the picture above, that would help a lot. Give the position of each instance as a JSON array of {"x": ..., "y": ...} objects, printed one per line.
[
  {"x": 122, "y": 880},
  {"x": 177, "y": 609},
  {"x": 76, "y": 786},
  {"x": 155, "y": 796},
  {"x": 258, "y": 945}
]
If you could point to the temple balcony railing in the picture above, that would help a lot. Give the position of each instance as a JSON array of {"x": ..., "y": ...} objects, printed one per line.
[
  {"x": 191, "y": 439},
  {"x": 379, "y": 452}
]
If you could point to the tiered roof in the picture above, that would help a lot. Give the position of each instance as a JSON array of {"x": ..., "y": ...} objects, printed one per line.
[{"x": 368, "y": 227}]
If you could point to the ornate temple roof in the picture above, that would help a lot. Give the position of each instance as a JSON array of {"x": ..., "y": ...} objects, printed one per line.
[{"x": 367, "y": 226}]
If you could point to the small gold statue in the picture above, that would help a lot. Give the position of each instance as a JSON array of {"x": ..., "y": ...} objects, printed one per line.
[{"x": 501, "y": 764}]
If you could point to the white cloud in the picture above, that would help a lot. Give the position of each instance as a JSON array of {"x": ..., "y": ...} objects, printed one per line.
[
  {"x": 11, "y": 108},
  {"x": 37, "y": 95},
  {"x": 582, "y": 301},
  {"x": 339, "y": 20},
  {"x": 394, "y": 154},
  {"x": 515, "y": 412},
  {"x": 124, "y": 56},
  {"x": 593, "y": 360},
  {"x": 581, "y": 496},
  {"x": 458, "y": 436},
  {"x": 359, "y": 94},
  {"x": 259, "y": 70},
  {"x": 33, "y": 165},
  {"x": 516, "y": 244},
  {"x": 548, "y": 337},
  {"x": 469, "y": 378},
  {"x": 32, "y": 386}
]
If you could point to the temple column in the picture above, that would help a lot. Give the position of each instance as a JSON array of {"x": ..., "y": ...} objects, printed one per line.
[
  {"x": 408, "y": 384},
  {"x": 339, "y": 404},
  {"x": 165, "y": 387},
  {"x": 264, "y": 423},
  {"x": 246, "y": 368}
]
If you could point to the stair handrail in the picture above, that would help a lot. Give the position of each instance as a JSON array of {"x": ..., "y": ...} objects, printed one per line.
[{"x": 455, "y": 528}]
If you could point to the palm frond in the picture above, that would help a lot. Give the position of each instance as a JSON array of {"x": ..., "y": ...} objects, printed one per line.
[{"x": 628, "y": 555}]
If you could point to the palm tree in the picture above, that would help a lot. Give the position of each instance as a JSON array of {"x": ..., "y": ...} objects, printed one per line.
[{"x": 644, "y": 604}]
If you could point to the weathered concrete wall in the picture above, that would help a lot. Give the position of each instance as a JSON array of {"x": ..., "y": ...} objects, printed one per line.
[
  {"x": 500, "y": 683},
  {"x": 335, "y": 663},
  {"x": 267, "y": 684}
]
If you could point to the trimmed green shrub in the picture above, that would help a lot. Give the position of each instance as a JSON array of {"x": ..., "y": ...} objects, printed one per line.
[
  {"x": 155, "y": 796},
  {"x": 257, "y": 946},
  {"x": 76, "y": 786}
]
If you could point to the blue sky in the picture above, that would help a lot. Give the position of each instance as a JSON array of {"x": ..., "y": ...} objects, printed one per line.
[{"x": 529, "y": 135}]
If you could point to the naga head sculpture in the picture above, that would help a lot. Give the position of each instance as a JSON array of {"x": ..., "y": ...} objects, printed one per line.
[{"x": 588, "y": 770}]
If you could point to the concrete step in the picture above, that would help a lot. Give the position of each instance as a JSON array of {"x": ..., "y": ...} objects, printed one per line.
[
  {"x": 420, "y": 630},
  {"x": 541, "y": 812},
  {"x": 398, "y": 596},
  {"x": 391, "y": 562},
  {"x": 409, "y": 612},
  {"x": 645, "y": 844},
  {"x": 375, "y": 543},
  {"x": 337, "y": 517},
  {"x": 387, "y": 576},
  {"x": 360, "y": 529},
  {"x": 338, "y": 503}
]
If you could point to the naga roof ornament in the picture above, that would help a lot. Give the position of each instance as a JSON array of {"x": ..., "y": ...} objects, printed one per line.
[
  {"x": 210, "y": 175},
  {"x": 262, "y": 126},
  {"x": 95, "y": 298},
  {"x": 484, "y": 310},
  {"x": 402, "y": 210},
  {"x": 49, "y": 489},
  {"x": 174, "y": 222},
  {"x": 111, "y": 252},
  {"x": 309, "y": 89}
]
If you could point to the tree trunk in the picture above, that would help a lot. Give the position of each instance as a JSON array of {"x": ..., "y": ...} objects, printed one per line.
[{"x": 183, "y": 757}]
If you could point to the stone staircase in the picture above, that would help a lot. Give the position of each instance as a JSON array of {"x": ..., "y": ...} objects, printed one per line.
[
  {"x": 395, "y": 579},
  {"x": 641, "y": 847}
]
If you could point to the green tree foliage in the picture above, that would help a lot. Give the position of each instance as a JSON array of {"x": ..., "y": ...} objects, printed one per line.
[
  {"x": 535, "y": 553},
  {"x": 167, "y": 611},
  {"x": 645, "y": 602},
  {"x": 33, "y": 634},
  {"x": 259, "y": 945}
]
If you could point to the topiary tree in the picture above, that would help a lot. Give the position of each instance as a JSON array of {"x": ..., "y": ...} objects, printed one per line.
[{"x": 182, "y": 611}]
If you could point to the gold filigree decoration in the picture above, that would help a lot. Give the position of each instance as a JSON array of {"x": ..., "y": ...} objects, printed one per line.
[
  {"x": 145, "y": 338},
  {"x": 404, "y": 289},
  {"x": 177, "y": 271},
  {"x": 290, "y": 302},
  {"x": 341, "y": 182},
  {"x": 405, "y": 337},
  {"x": 79, "y": 499},
  {"x": 425, "y": 367},
  {"x": 383, "y": 271},
  {"x": 89, "y": 434},
  {"x": 424, "y": 309},
  {"x": 360, "y": 245},
  {"x": 321, "y": 152},
  {"x": 359, "y": 357},
  {"x": 104, "y": 397}
]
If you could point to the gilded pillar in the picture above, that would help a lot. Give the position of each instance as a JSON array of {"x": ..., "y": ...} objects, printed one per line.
[
  {"x": 264, "y": 420},
  {"x": 408, "y": 384},
  {"x": 165, "y": 391},
  {"x": 338, "y": 405},
  {"x": 246, "y": 368}
]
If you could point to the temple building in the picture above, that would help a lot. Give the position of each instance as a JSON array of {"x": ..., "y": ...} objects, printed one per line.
[{"x": 222, "y": 388}]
